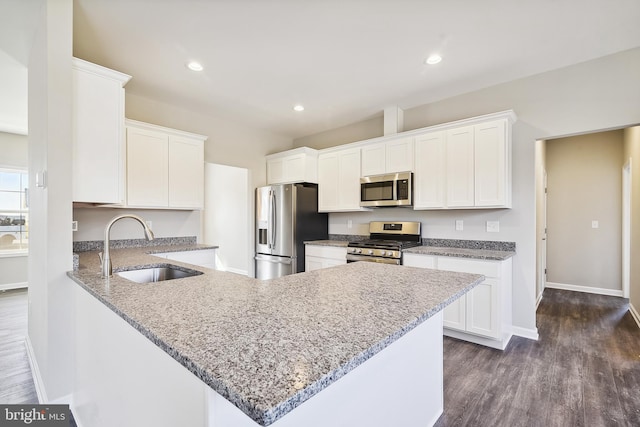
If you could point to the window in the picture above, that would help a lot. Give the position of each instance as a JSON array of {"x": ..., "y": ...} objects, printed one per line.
[{"x": 14, "y": 212}]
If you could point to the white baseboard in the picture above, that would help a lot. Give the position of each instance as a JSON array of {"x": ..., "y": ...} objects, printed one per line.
[
  {"x": 35, "y": 372},
  {"x": 531, "y": 334},
  {"x": 586, "y": 289},
  {"x": 539, "y": 300},
  {"x": 9, "y": 286},
  {"x": 634, "y": 314}
]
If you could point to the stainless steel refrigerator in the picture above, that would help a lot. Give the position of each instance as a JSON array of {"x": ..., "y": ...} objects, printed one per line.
[{"x": 286, "y": 216}]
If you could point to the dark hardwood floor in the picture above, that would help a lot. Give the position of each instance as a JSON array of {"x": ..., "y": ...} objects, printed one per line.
[
  {"x": 583, "y": 371},
  {"x": 16, "y": 382}
]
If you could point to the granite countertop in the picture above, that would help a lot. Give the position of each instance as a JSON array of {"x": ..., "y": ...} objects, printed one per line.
[
  {"x": 461, "y": 252},
  {"x": 338, "y": 243},
  {"x": 267, "y": 346}
]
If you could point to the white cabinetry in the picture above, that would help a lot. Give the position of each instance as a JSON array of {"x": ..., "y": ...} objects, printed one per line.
[
  {"x": 201, "y": 257},
  {"x": 339, "y": 181},
  {"x": 165, "y": 167},
  {"x": 464, "y": 167},
  {"x": 391, "y": 156},
  {"x": 298, "y": 165},
  {"x": 98, "y": 133},
  {"x": 429, "y": 175},
  {"x": 320, "y": 256},
  {"x": 483, "y": 315}
]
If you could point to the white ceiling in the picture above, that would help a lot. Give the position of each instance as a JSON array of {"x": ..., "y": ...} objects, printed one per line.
[{"x": 344, "y": 60}]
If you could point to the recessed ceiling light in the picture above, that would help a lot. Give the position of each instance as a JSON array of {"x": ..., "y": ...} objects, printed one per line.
[
  {"x": 195, "y": 66},
  {"x": 298, "y": 108},
  {"x": 433, "y": 59}
]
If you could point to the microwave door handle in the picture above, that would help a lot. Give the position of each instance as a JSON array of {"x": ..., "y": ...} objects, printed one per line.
[{"x": 395, "y": 185}]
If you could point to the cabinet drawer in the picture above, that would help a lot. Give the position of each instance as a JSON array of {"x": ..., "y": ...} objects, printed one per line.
[
  {"x": 326, "y": 251},
  {"x": 417, "y": 260},
  {"x": 486, "y": 268}
]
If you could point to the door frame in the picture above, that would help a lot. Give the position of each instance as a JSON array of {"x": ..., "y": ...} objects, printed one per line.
[{"x": 626, "y": 227}]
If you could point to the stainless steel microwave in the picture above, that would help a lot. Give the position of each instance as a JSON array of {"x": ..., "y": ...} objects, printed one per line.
[{"x": 395, "y": 189}]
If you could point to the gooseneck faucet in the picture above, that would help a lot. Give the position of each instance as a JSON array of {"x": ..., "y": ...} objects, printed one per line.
[{"x": 106, "y": 257}]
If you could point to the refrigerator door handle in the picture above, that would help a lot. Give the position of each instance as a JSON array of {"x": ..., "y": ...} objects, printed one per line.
[
  {"x": 272, "y": 224},
  {"x": 269, "y": 220},
  {"x": 275, "y": 261}
]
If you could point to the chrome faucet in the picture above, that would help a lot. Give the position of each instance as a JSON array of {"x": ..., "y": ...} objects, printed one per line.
[{"x": 105, "y": 257}]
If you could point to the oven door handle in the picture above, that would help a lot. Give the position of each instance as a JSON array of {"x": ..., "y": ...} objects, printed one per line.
[{"x": 354, "y": 258}]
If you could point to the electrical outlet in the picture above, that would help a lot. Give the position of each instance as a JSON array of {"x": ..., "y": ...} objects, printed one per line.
[
  {"x": 149, "y": 224},
  {"x": 493, "y": 226},
  {"x": 459, "y": 225},
  {"x": 349, "y": 223},
  {"x": 595, "y": 224},
  {"x": 74, "y": 225}
]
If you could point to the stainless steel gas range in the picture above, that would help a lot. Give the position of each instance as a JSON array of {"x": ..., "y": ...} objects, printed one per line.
[{"x": 386, "y": 242}]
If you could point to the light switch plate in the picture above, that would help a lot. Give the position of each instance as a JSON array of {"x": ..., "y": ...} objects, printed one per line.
[
  {"x": 349, "y": 223},
  {"x": 459, "y": 225},
  {"x": 493, "y": 226},
  {"x": 74, "y": 225},
  {"x": 149, "y": 224},
  {"x": 595, "y": 224}
]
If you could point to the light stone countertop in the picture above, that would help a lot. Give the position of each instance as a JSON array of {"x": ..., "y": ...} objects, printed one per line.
[
  {"x": 337, "y": 243},
  {"x": 267, "y": 346},
  {"x": 460, "y": 252}
]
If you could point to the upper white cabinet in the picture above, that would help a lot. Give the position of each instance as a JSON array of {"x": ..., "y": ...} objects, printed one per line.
[
  {"x": 429, "y": 173},
  {"x": 297, "y": 165},
  {"x": 395, "y": 155},
  {"x": 339, "y": 180},
  {"x": 465, "y": 167},
  {"x": 98, "y": 133},
  {"x": 165, "y": 167}
]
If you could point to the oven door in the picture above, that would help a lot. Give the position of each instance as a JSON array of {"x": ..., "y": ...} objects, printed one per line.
[{"x": 367, "y": 258}]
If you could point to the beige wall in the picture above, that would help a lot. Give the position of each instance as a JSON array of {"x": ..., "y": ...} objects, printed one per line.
[
  {"x": 584, "y": 182},
  {"x": 632, "y": 151},
  {"x": 13, "y": 153},
  {"x": 599, "y": 94},
  {"x": 13, "y": 150}
]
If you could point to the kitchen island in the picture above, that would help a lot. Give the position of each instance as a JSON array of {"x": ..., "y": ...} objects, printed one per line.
[{"x": 358, "y": 344}]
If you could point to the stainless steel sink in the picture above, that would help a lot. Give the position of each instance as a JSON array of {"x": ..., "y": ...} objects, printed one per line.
[{"x": 157, "y": 274}]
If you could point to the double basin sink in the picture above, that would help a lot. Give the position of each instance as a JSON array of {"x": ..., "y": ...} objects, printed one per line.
[{"x": 157, "y": 274}]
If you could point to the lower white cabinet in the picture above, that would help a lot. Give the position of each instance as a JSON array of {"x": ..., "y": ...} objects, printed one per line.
[
  {"x": 320, "y": 256},
  {"x": 482, "y": 315},
  {"x": 202, "y": 257}
]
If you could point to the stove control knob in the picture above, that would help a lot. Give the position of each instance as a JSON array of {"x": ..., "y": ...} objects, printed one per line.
[
  {"x": 370, "y": 252},
  {"x": 390, "y": 253},
  {"x": 358, "y": 251}
]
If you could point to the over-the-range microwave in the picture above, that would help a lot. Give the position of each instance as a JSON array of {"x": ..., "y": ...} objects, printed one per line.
[{"x": 395, "y": 189}]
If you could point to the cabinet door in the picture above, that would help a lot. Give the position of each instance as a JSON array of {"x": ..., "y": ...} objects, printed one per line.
[
  {"x": 455, "y": 316},
  {"x": 399, "y": 155},
  {"x": 294, "y": 168},
  {"x": 147, "y": 168},
  {"x": 460, "y": 172},
  {"x": 98, "y": 136},
  {"x": 429, "y": 178},
  {"x": 349, "y": 179},
  {"x": 275, "y": 171},
  {"x": 490, "y": 147},
  {"x": 417, "y": 260},
  {"x": 312, "y": 263},
  {"x": 328, "y": 182},
  {"x": 482, "y": 309},
  {"x": 373, "y": 159},
  {"x": 186, "y": 173}
]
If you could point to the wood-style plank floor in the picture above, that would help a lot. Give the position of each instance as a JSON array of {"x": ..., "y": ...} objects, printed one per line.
[
  {"x": 583, "y": 371},
  {"x": 16, "y": 382}
]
